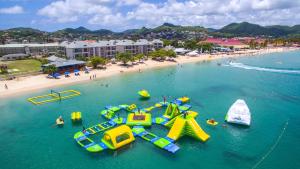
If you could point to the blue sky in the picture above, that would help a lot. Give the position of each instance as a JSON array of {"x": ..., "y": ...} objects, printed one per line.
[{"x": 118, "y": 15}]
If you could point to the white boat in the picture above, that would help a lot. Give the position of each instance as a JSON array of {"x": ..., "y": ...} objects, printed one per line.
[{"x": 239, "y": 113}]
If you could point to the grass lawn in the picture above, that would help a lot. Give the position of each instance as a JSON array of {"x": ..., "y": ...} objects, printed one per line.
[{"x": 23, "y": 66}]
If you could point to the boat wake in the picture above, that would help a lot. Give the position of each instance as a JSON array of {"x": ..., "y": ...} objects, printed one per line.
[{"x": 274, "y": 70}]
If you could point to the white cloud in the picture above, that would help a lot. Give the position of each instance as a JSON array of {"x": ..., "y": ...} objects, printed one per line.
[
  {"x": 217, "y": 13},
  {"x": 111, "y": 20},
  {"x": 12, "y": 10},
  {"x": 72, "y": 10},
  {"x": 137, "y": 13},
  {"x": 128, "y": 2}
]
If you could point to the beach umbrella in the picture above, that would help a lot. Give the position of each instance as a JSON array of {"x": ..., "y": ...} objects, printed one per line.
[
  {"x": 76, "y": 71},
  {"x": 67, "y": 73},
  {"x": 56, "y": 74}
]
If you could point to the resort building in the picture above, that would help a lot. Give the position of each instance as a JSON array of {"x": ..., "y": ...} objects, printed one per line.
[
  {"x": 64, "y": 65},
  {"x": 224, "y": 42},
  {"x": 13, "y": 56},
  {"x": 31, "y": 49},
  {"x": 88, "y": 48},
  {"x": 110, "y": 48}
]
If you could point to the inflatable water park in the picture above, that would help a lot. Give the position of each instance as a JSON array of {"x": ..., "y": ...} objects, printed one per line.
[{"x": 119, "y": 131}]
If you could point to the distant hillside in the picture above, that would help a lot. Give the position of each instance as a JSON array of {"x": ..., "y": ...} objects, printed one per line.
[
  {"x": 23, "y": 34},
  {"x": 164, "y": 31},
  {"x": 167, "y": 31},
  {"x": 248, "y": 29}
]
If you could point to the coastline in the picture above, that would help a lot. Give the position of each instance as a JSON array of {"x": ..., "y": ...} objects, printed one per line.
[{"x": 32, "y": 83}]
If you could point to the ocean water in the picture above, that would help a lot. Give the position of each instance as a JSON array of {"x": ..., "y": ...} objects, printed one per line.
[{"x": 29, "y": 140}]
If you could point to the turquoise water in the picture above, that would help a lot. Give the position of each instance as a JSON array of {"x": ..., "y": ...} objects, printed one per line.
[{"x": 29, "y": 140}]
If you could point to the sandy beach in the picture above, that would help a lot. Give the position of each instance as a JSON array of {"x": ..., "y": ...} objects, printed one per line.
[{"x": 33, "y": 83}]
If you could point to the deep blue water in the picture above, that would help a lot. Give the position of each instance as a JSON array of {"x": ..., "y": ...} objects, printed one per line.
[{"x": 29, "y": 140}]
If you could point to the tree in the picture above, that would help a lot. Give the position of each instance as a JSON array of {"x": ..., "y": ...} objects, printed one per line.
[
  {"x": 167, "y": 42},
  {"x": 3, "y": 69},
  {"x": 82, "y": 58},
  {"x": 97, "y": 60},
  {"x": 43, "y": 61},
  {"x": 139, "y": 57},
  {"x": 252, "y": 44},
  {"x": 161, "y": 54},
  {"x": 264, "y": 44},
  {"x": 171, "y": 53},
  {"x": 124, "y": 57},
  {"x": 205, "y": 46},
  {"x": 51, "y": 69},
  {"x": 191, "y": 44},
  {"x": 175, "y": 43}
]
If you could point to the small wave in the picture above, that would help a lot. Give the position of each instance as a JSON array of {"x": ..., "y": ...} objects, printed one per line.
[{"x": 274, "y": 70}]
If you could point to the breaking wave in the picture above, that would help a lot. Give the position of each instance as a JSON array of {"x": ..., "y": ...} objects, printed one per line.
[{"x": 274, "y": 70}]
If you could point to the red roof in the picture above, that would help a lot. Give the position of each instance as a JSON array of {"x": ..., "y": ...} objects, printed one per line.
[
  {"x": 224, "y": 42},
  {"x": 90, "y": 41}
]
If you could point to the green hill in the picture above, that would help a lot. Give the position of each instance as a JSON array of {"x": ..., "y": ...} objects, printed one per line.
[
  {"x": 248, "y": 29},
  {"x": 164, "y": 31}
]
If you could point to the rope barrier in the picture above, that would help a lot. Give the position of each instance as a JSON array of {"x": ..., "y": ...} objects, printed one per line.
[{"x": 273, "y": 147}]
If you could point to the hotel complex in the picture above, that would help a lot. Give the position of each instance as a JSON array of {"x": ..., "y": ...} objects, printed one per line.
[{"x": 107, "y": 49}]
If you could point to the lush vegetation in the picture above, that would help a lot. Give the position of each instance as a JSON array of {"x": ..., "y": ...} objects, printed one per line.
[
  {"x": 162, "y": 54},
  {"x": 124, "y": 57},
  {"x": 195, "y": 45},
  {"x": 3, "y": 69},
  {"x": 97, "y": 60},
  {"x": 139, "y": 57},
  {"x": 248, "y": 29},
  {"x": 165, "y": 31},
  {"x": 82, "y": 58},
  {"x": 50, "y": 69}
]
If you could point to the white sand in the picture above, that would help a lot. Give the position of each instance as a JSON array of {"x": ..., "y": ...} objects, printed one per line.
[{"x": 34, "y": 83}]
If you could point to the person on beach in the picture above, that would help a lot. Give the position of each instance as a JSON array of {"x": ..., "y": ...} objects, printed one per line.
[
  {"x": 6, "y": 87},
  {"x": 165, "y": 99},
  {"x": 90, "y": 77}
]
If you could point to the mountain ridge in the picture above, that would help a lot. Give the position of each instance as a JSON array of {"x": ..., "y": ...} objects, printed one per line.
[{"x": 164, "y": 31}]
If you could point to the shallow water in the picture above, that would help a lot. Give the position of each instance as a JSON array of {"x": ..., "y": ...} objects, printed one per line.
[{"x": 29, "y": 140}]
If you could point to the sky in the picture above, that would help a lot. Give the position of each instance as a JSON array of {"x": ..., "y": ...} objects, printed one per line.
[{"x": 118, "y": 15}]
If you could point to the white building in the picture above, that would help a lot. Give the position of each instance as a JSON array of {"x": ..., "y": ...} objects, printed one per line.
[
  {"x": 110, "y": 48},
  {"x": 107, "y": 49},
  {"x": 30, "y": 49}
]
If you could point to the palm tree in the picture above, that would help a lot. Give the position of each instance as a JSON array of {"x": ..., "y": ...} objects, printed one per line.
[
  {"x": 3, "y": 69},
  {"x": 139, "y": 57},
  {"x": 51, "y": 69},
  {"x": 98, "y": 61},
  {"x": 124, "y": 57}
]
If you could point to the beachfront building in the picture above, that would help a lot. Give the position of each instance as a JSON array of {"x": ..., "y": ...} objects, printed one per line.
[
  {"x": 74, "y": 49},
  {"x": 64, "y": 65},
  {"x": 14, "y": 56},
  {"x": 226, "y": 43},
  {"x": 31, "y": 49},
  {"x": 110, "y": 48},
  {"x": 181, "y": 51}
]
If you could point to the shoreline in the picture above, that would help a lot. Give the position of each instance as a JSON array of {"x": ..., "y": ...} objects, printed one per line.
[{"x": 27, "y": 84}]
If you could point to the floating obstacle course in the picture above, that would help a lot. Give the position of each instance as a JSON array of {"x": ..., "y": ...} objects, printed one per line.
[
  {"x": 54, "y": 96},
  {"x": 119, "y": 131}
]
